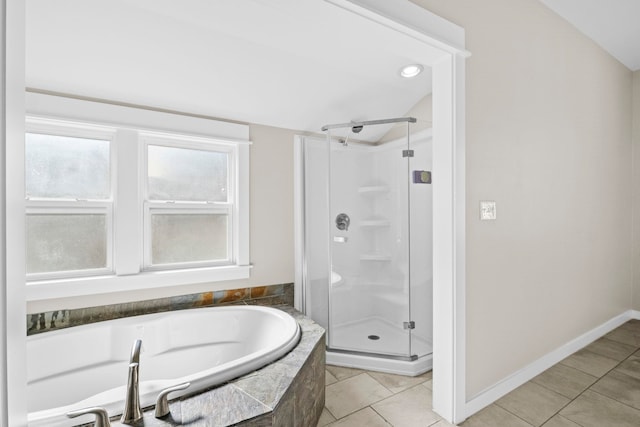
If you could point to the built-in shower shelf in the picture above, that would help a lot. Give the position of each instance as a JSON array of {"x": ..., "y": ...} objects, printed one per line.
[
  {"x": 373, "y": 189},
  {"x": 375, "y": 257},
  {"x": 375, "y": 223}
]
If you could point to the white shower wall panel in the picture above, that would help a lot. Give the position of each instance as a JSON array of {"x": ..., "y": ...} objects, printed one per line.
[{"x": 316, "y": 229}]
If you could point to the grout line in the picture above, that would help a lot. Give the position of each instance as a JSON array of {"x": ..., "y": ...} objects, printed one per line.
[
  {"x": 381, "y": 416},
  {"x": 381, "y": 385},
  {"x": 615, "y": 400},
  {"x": 331, "y": 413},
  {"x": 571, "y": 399},
  {"x": 515, "y": 415}
]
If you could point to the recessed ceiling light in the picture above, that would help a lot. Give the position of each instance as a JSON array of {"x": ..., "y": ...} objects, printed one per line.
[{"x": 412, "y": 70}]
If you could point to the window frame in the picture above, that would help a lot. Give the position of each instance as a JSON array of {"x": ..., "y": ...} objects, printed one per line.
[{"x": 130, "y": 125}]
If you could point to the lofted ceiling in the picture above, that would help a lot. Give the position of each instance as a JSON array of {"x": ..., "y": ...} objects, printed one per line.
[
  {"x": 613, "y": 24},
  {"x": 297, "y": 64}
]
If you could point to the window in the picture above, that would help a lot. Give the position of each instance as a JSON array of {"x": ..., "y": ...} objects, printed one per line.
[
  {"x": 124, "y": 207},
  {"x": 188, "y": 206},
  {"x": 69, "y": 200}
]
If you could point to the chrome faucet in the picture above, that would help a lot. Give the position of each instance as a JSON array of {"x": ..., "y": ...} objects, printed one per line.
[
  {"x": 135, "y": 352},
  {"x": 102, "y": 417},
  {"x": 132, "y": 411}
]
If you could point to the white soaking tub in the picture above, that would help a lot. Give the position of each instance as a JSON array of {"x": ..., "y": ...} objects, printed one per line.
[{"x": 84, "y": 366}]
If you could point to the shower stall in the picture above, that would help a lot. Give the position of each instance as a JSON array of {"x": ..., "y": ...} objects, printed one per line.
[{"x": 364, "y": 237}]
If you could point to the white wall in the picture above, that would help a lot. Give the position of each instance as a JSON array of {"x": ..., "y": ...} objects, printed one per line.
[
  {"x": 548, "y": 138},
  {"x": 636, "y": 189},
  {"x": 12, "y": 314},
  {"x": 271, "y": 226},
  {"x": 422, "y": 112}
]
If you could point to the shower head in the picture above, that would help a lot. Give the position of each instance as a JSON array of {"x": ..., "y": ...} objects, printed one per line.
[{"x": 357, "y": 128}]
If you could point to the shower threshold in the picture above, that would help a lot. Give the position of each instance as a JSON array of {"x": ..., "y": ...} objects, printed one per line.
[
  {"x": 399, "y": 365},
  {"x": 376, "y": 355}
]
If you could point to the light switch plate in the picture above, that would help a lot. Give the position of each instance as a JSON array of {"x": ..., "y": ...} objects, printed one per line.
[{"x": 487, "y": 210}]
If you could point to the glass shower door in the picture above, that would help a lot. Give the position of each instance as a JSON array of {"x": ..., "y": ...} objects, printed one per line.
[{"x": 370, "y": 289}]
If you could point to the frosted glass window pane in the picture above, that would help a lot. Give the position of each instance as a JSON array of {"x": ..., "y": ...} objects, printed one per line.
[
  {"x": 66, "y": 242},
  {"x": 66, "y": 167},
  {"x": 188, "y": 237},
  {"x": 188, "y": 175}
]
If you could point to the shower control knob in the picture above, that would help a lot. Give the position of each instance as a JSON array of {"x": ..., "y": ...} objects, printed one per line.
[{"x": 343, "y": 221}]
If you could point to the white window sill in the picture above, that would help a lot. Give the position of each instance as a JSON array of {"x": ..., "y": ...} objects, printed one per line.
[{"x": 72, "y": 287}]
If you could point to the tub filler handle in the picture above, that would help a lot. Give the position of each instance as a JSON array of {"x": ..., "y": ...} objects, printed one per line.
[
  {"x": 162, "y": 403},
  {"x": 102, "y": 417}
]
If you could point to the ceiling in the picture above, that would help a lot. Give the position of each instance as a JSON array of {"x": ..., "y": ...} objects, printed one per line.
[
  {"x": 613, "y": 24},
  {"x": 296, "y": 64}
]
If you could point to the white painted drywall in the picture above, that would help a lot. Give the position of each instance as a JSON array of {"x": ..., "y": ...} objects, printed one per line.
[
  {"x": 549, "y": 139},
  {"x": 636, "y": 189},
  {"x": 12, "y": 270}
]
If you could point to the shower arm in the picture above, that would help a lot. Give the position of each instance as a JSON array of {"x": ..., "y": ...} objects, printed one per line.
[{"x": 369, "y": 122}]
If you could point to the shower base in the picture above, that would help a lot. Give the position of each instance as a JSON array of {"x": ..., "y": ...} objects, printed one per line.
[{"x": 376, "y": 345}]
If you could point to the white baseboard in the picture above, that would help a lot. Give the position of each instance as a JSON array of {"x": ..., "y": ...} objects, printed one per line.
[{"x": 515, "y": 380}]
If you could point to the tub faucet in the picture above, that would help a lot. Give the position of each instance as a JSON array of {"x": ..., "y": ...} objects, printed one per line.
[
  {"x": 135, "y": 352},
  {"x": 132, "y": 411}
]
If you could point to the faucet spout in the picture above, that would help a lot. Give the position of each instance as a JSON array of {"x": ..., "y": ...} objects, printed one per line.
[
  {"x": 135, "y": 352},
  {"x": 132, "y": 411}
]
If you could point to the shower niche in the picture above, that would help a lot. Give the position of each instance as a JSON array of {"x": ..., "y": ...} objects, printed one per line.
[{"x": 367, "y": 244}]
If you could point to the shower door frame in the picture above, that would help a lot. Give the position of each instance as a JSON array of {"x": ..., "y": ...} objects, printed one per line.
[
  {"x": 409, "y": 356},
  {"x": 448, "y": 66}
]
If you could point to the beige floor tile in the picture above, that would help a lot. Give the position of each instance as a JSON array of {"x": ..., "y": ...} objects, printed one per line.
[
  {"x": 443, "y": 423},
  {"x": 612, "y": 349},
  {"x": 428, "y": 384},
  {"x": 409, "y": 408},
  {"x": 533, "y": 403},
  {"x": 353, "y": 394},
  {"x": 633, "y": 323},
  {"x": 620, "y": 387},
  {"x": 329, "y": 378},
  {"x": 631, "y": 366},
  {"x": 626, "y": 335},
  {"x": 591, "y": 363},
  {"x": 341, "y": 373},
  {"x": 559, "y": 421},
  {"x": 366, "y": 417},
  {"x": 427, "y": 375},
  {"x": 632, "y": 326},
  {"x": 567, "y": 381},
  {"x": 325, "y": 418},
  {"x": 592, "y": 409},
  {"x": 494, "y": 416},
  {"x": 398, "y": 383}
]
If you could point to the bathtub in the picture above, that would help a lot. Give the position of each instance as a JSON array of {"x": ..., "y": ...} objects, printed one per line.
[{"x": 87, "y": 365}]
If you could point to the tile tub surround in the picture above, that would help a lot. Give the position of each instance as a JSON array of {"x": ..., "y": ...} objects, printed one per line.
[
  {"x": 260, "y": 295},
  {"x": 288, "y": 392}
]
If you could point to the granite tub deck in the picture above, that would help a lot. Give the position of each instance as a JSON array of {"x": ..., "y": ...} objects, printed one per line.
[{"x": 288, "y": 392}]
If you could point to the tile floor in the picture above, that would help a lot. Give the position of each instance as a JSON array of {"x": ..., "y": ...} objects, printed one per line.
[{"x": 598, "y": 386}]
